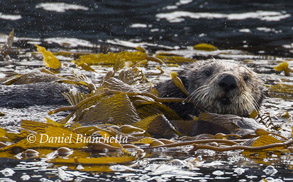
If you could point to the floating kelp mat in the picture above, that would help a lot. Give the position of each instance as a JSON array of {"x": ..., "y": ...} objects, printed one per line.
[{"x": 114, "y": 125}]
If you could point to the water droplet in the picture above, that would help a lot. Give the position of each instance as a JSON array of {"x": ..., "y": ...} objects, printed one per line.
[{"x": 270, "y": 170}]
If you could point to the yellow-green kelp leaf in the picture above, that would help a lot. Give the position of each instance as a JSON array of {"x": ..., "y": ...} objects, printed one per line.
[
  {"x": 266, "y": 140},
  {"x": 283, "y": 67},
  {"x": 111, "y": 58},
  {"x": 53, "y": 137},
  {"x": 6, "y": 48},
  {"x": 49, "y": 59},
  {"x": 144, "y": 124},
  {"x": 173, "y": 58},
  {"x": 158, "y": 126},
  {"x": 28, "y": 78},
  {"x": 178, "y": 82},
  {"x": 253, "y": 114},
  {"x": 149, "y": 141},
  {"x": 263, "y": 140},
  {"x": 131, "y": 129},
  {"x": 2, "y": 132},
  {"x": 281, "y": 90},
  {"x": 92, "y": 161},
  {"x": 204, "y": 47},
  {"x": 84, "y": 66},
  {"x": 150, "y": 108},
  {"x": 112, "y": 109}
]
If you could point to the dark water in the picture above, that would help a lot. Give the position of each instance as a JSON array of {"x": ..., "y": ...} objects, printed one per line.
[{"x": 259, "y": 26}]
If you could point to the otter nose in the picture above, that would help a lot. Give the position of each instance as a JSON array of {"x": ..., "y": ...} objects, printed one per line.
[{"x": 227, "y": 82}]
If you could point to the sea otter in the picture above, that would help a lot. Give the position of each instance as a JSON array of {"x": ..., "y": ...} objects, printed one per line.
[
  {"x": 220, "y": 87},
  {"x": 35, "y": 88}
]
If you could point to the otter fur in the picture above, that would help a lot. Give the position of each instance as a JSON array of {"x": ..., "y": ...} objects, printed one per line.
[
  {"x": 35, "y": 88},
  {"x": 220, "y": 87}
]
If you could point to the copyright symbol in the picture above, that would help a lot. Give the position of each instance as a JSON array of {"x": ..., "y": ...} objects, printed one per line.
[{"x": 31, "y": 138}]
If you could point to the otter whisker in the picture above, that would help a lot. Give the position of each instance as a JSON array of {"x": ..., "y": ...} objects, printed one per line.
[
  {"x": 195, "y": 94},
  {"x": 252, "y": 104},
  {"x": 219, "y": 87}
]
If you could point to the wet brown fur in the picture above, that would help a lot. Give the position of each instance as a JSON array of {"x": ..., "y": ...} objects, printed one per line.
[{"x": 202, "y": 78}]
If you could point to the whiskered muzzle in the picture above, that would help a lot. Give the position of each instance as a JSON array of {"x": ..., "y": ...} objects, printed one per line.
[{"x": 218, "y": 100}]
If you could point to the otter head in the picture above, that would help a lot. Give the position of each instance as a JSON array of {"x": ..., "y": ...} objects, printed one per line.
[{"x": 225, "y": 87}]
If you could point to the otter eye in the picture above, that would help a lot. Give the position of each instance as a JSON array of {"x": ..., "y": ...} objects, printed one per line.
[
  {"x": 245, "y": 78},
  {"x": 208, "y": 72}
]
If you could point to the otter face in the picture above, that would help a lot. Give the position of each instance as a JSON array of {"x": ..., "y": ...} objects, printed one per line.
[{"x": 225, "y": 87}]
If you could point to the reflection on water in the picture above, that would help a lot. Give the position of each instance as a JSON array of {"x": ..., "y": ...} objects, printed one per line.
[{"x": 262, "y": 27}]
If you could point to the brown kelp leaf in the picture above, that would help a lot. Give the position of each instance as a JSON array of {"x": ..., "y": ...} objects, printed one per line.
[
  {"x": 111, "y": 109},
  {"x": 185, "y": 127},
  {"x": 283, "y": 67},
  {"x": 158, "y": 126},
  {"x": 204, "y": 47},
  {"x": 49, "y": 59}
]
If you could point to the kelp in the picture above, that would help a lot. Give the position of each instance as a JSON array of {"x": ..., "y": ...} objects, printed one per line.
[
  {"x": 28, "y": 78},
  {"x": 116, "y": 109},
  {"x": 5, "y": 50},
  {"x": 204, "y": 47},
  {"x": 112, "y": 58},
  {"x": 284, "y": 66},
  {"x": 122, "y": 120},
  {"x": 174, "y": 59},
  {"x": 49, "y": 59},
  {"x": 178, "y": 82},
  {"x": 281, "y": 90}
]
